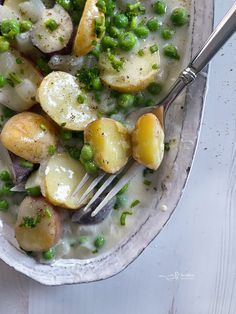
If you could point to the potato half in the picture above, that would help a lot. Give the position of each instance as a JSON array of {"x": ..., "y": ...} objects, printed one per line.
[
  {"x": 29, "y": 135},
  {"x": 86, "y": 34},
  {"x": 58, "y": 95},
  {"x": 62, "y": 176},
  {"x": 136, "y": 74},
  {"x": 51, "y": 41},
  {"x": 110, "y": 142},
  {"x": 148, "y": 141},
  {"x": 43, "y": 234}
]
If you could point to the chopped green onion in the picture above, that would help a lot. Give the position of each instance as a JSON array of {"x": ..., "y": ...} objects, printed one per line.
[
  {"x": 5, "y": 176},
  {"x": 49, "y": 254},
  {"x": 51, "y": 150},
  {"x": 123, "y": 218},
  {"x": 26, "y": 164},
  {"x": 51, "y": 25},
  {"x": 4, "y": 205},
  {"x": 34, "y": 191},
  {"x": 43, "y": 127},
  {"x": 134, "y": 203}
]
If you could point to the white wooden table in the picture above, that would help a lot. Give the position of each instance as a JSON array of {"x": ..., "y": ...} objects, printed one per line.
[{"x": 190, "y": 268}]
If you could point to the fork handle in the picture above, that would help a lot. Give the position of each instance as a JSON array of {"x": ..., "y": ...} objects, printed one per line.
[{"x": 218, "y": 38}]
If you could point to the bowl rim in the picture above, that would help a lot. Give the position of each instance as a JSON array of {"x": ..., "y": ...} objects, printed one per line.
[{"x": 68, "y": 271}]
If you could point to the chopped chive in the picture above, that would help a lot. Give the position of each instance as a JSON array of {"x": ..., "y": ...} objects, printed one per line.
[
  {"x": 153, "y": 48},
  {"x": 134, "y": 203},
  {"x": 47, "y": 213},
  {"x": 155, "y": 66},
  {"x": 123, "y": 218},
  {"x": 141, "y": 52},
  {"x": 167, "y": 146},
  {"x": 51, "y": 25},
  {"x": 124, "y": 189},
  {"x": 51, "y": 150},
  {"x": 19, "y": 61},
  {"x": 5, "y": 176},
  {"x": 43, "y": 127},
  {"x": 26, "y": 164},
  {"x": 4, "y": 205},
  {"x": 147, "y": 182}
]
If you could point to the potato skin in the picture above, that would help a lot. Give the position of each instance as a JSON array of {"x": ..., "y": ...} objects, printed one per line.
[
  {"x": 148, "y": 141},
  {"x": 86, "y": 34},
  {"x": 110, "y": 142},
  {"x": 23, "y": 136},
  {"x": 45, "y": 234}
]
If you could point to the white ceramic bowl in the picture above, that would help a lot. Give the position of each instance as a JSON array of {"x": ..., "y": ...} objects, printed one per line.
[{"x": 182, "y": 124}]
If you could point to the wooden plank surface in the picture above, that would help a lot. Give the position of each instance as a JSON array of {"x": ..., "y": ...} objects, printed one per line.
[{"x": 190, "y": 268}]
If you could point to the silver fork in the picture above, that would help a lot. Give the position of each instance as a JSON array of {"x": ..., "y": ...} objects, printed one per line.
[{"x": 217, "y": 39}]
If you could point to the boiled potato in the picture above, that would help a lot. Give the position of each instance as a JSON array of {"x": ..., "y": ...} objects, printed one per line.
[
  {"x": 148, "y": 141},
  {"x": 58, "y": 95},
  {"x": 110, "y": 142},
  {"x": 136, "y": 74},
  {"x": 38, "y": 225},
  {"x": 49, "y": 41},
  {"x": 20, "y": 96},
  {"x": 86, "y": 34},
  {"x": 29, "y": 135},
  {"x": 63, "y": 174}
]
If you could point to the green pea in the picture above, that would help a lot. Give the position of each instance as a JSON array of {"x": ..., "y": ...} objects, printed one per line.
[
  {"x": 160, "y": 7},
  {"x": 25, "y": 26},
  {"x": 5, "y": 176},
  {"x": 66, "y": 4},
  {"x": 114, "y": 32},
  {"x": 141, "y": 32},
  {"x": 99, "y": 242},
  {"x": 167, "y": 33},
  {"x": 149, "y": 103},
  {"x": 101, "y": 5},
  {"x": 4, "y": 205},
  {"x": 125, "y": 100},
  {"x": 121, "y": 21},
  {"x": 139, "y": 99},
  {"x": 171, "y": 52},
  {"x": 49, "y": 254},
  {"x": 121, "y": 200},
  {"x": 65, "y": 135},
  {"x": 74, "y": 152},
  {"x": 3, "y": 81},
  {"x": 86, "y": 152},
  {"x": 154, "y": 88},
  {"x": 10, "y": 28},
  {"x": 153, "y": 25},
  {"x": 110, "y": 7},
  {"x": 179, "y": 16},
  {"x": 34, "y": 191},
  {"x": 109, "y": 42},
  {"x": 91, "y": 167},
  {"x": 127, "y": 41}
]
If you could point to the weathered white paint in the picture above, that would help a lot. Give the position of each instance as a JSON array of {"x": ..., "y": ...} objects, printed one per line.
[{"x": 190, "y": 268}]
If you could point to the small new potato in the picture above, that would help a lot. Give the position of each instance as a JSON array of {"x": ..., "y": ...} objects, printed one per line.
[
  {"x": 29, "y": 136},
  {"x": 38, "y": 225},
  {"x": 148, "y": 141},
  {"x": 86, "y": 34},
  {"x": 58, "y": 96},
  {"x": 136, "y": 74},
  {"x": 62, "y": 175},
  {"x": 110, "y": 142}
]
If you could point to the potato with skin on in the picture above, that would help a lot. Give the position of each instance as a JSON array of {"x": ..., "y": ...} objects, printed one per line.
[
  {"x": 110, "y": 142},
  {"x": 136, "y": 74},
  {"x": 41, "y": 235},
  {"x": 86, "y": 35},
  {"x": 62, "y": 175},
  {"x": 148, "y": 141},
  {"x": 29, "y": 136}
]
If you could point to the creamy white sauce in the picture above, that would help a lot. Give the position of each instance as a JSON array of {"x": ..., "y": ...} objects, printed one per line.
[{"x": 71, "y": 245}]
